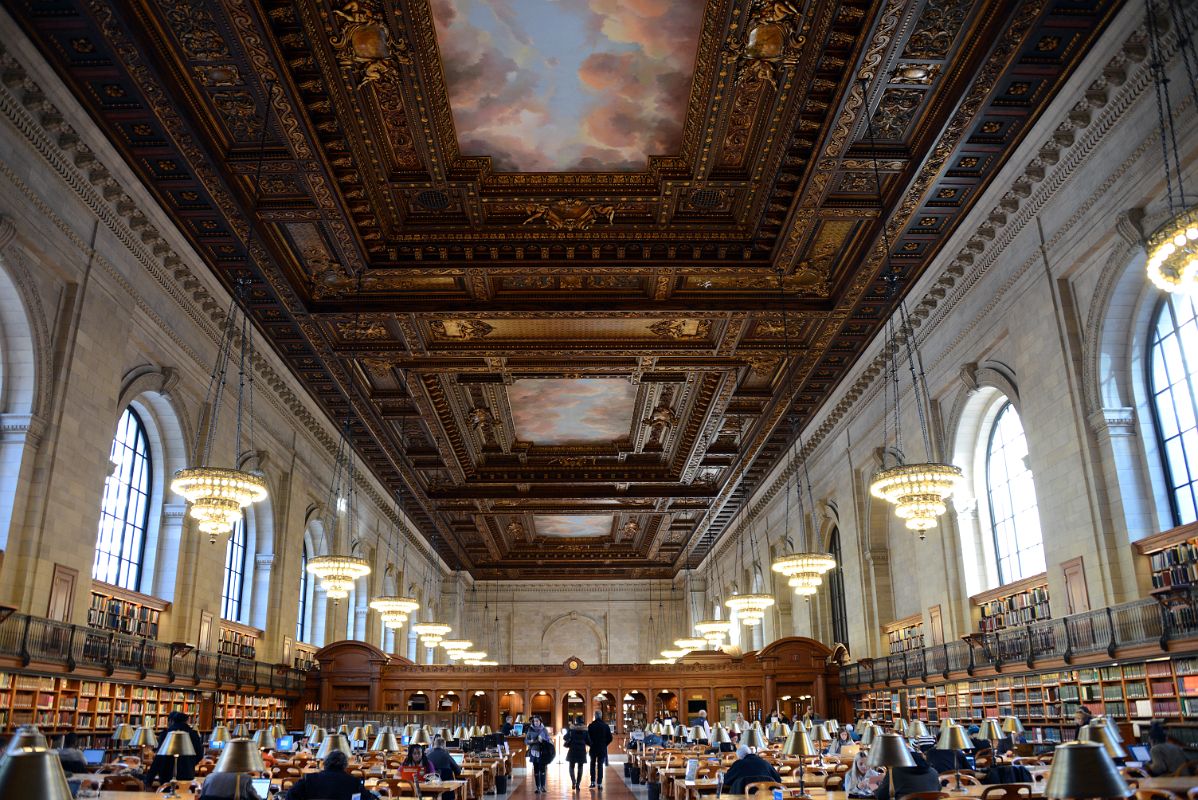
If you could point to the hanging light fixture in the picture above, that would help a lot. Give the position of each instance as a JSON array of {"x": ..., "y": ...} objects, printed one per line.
[
  {"x": 395, "y": 609},
  {"x": 431, "y": 633},
  {"x": 713, "y": 631},
  {"x": 689, "y": 643},
  {"x": 217, "y": 496},
  {"x": 454, "y": 647},
  {"x": 919, "y": 492},
  {"x": 1173, "y": 247},
  {"x": 338, "y": 573},
  {"x": 750, "y": 608}
]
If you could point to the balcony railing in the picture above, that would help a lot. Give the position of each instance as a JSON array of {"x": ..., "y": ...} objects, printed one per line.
[
  {"x": 1141, "y": 622},
  {"x": 45, "y": 641}
]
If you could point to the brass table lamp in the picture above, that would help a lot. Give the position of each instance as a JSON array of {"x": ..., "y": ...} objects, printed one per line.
[
  {"x": 1099, "y": 733},
  {"x": 26, "y": 738},
  {"x": 1012, "y": 726},
  {"x": 952, "y": 737},
  {"x": 869, "y": 733},
  {"x": 241, "y": 731},
  {"x": 420, "y": 737},
  {"x": 917, "y": 729},
  {"x": 122, "y": 734},
  {"x": 317, "y": 738},
  {"x": 385, "y": 743},
  {"x": 264, "y": 739},
  {"x": 821, "y": 736},
  {"x": 175, "y": 744},
  {"x": 144, "y": 737},
  {"x": 799, "y": 744},
  {"x": 239, "y": 757},
  {"x": 1083, "y": 771},
  {"x": 990, "y": 731},
  {"x": 34, "y": 774},
  {"x": 753, "y": 739},
  {"x": 719, "y": 735},
  {"x": 335, "y": 741},
  {"x": 219, "y": 735},
  {"x": 890, "y": 750}
]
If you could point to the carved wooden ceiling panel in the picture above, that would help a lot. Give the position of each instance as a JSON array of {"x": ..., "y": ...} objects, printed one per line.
[{"x": 571, "y": 372}]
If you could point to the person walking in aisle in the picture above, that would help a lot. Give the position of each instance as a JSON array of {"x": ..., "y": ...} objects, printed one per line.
[
  {"x": 576, "y": 742},
  {"x": 599, "y": 735},
  {"x": 540, "y": 752}
]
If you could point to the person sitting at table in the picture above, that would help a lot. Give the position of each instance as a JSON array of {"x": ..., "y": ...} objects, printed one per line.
[
  {"x": 507, "y": 727},
  {"x": 331, "y": 783},
  {"x": 861, "y": 780},
  {"x": 444, "y": 764},
  {"x": 842, "y": 740},
  {"x": 71, "y": 756},
  {"x": 906, "y": 780},
  {"x": 418, "y": 761},
  {"x": 224, "y": 786},
  {"x": 749, "y": 768},
  {"x": 181, "y": 768},
  {"x": 1167, "y": 757}
]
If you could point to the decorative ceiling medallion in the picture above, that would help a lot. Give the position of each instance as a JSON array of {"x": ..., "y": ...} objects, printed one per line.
[
  {"x": 460, "y": 328},
  {"x": 363, "y": 44},
  {"x": 570, "y": 215},
  {"x": 682, "y": 328},
  {"x": 771, "y": 44}
]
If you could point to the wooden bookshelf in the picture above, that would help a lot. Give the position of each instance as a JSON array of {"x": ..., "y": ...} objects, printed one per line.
[
  {"x": 1013, "y": 604},
  {"x": 116, "y": 609},
  {"x": 304, "y": 657},
  {"x": 904, "y": 634},
  {"x": 1172, "y": 556},
  {"x": 91, "y": 708},
  {"x": 238, "y": 640},
  {"x": 256, "y": 711},
  {"x": 1137, "y": 691}
]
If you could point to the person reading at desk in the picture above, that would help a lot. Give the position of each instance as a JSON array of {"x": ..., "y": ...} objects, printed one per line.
[
  {"x": 749, "y": 768},
  {"x": 906, "y": 780},
  {"x": 229, "y": 786},
  {"x": 861, "y": 780},
  {"x": 417, "y": 761},
  {"x": 331, "y": 783},
  {"x": 1167, "y": 757}
]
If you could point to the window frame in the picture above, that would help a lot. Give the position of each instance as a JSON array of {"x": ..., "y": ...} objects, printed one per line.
[
  {"x": 1006, "y": 405},
  {"x": 237, "y": 600},
  {"x": 142, "y": 434},
  {"x": 301, "y": 624},
  {"x": 836, "y": 600},
  {"x": 1154, "y": 347}
]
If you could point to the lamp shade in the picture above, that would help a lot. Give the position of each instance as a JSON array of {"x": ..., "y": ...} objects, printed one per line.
[
  {"x": 869, "y": 732},
  {"x": 890, "y": 750},
  {"x": 952, "y": 737},
  {"x": 143, "y": 737},
  {"x": 240, "y": 755},
  {"x": 176, "y": 743},
  {"x": 358, "y": 734},
  {"x": 1083, "y": 770},
  {"x": 27, "y": 738},
  {"x": 832, "y": 724},
  {"x": 33, "y": 773},
  {"x": 1099, "y": 733},
  {"x": 385, "y": 743},
  {"x": 334, "y": 741},
  {"x": 820, "y": 733},
  {"x": 1012, "y": 725},
  {"x": 123, "y": 732},
  {"x": 221, "y": 734},
  {"x": 241, "y": 731},
  {"x": 719, "y": 735},
  {"x": 916, "y": 729},
  {"x": 368, "y": 727},
  {"x": 459, "y": 733},
  {"x": 1111, "y": 727},
  {"x": 318, "y": 736},
  {"x": 343, "y": 729},
  {"x": 798, "y": 743},
  {"x": 265, "y": 739},
  {"x": 990, "y": 731},
  {"x": 774, "y": 730},
  {"x": 486, "y": 730},
  {"x": 753, "y": 738},
  {"x": 278, "y": 730},
  {"x": 420, "y": 737}
]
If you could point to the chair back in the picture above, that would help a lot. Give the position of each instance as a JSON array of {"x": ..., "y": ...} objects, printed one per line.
[
  {"x": 925, "y": 796},
  {"x": 121, "y": 783},
  {"x": 759, "y": 787},
  {"x": 1187, "y": 770},
  {"x": 1155, "y": 794},
  {"x": 1007, "y": 791}
]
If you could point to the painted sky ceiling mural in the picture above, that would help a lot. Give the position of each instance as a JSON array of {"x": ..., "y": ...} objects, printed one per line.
[
  {"x": 568, "y": 85},
  {"x": 532, "y": 250}
]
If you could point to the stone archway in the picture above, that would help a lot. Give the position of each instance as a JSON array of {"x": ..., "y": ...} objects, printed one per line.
[{"x": 576, "y": 635}]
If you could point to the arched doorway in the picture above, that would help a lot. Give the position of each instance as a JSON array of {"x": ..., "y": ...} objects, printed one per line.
[
  {"x": 542, "y": 706},
  {"x": 511, "y": 704},
  {"x": 665, "y": 704},
  {"x": 605, "y": 703},
  {"x": 418, "y": 701},
  {"x": 635, "y": 710},
  {"x": 574, "y": 708},
  {"x": 449, "y": 702},
  {"x": 479, "y": 707}
]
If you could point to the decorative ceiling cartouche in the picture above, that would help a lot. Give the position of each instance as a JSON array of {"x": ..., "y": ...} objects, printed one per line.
[{"x": 419, "y": 259}]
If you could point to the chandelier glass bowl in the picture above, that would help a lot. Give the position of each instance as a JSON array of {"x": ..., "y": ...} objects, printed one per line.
[
  {"x": 394, "y": 610},
  {"x": 713, "y": 630},
  {"x": 217, "y": 495},
  {"x": 750, "y": 608},
  {"x": 1173, "y": 254},
  {"x": 919, "y": 492},
  {"x": 337, "y": 574},
  {"x": 690, "y": 643}
]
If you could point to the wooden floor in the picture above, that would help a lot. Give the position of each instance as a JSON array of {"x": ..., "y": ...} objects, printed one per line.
[{"x": 558, "y": 784}]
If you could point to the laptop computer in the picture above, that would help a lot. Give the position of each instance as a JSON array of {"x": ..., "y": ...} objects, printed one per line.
[
  {"x": 95, "y": 757},
  {"x": 285, "y": 744},
  {"x": 518, "y": 729},
  {"x": 1138, "y": 752},
  {"x": 459, "y": 757},
  {"x": 261, "y": 786}
]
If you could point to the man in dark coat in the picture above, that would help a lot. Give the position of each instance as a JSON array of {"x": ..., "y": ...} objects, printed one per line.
[
  {"x": 749, "y": 768},
  {"x": 331, "y": 783},
  {"x": 181, "y": 768},
  {"x": 599, "y": 735},
  {"x": 906, "y": 780}
]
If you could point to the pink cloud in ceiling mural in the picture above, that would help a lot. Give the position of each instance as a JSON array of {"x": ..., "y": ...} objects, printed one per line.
[
  {"x": 572, "y": 526},
  {"x": 568, "y": 85},
  {"x": 565, "y": 411}
]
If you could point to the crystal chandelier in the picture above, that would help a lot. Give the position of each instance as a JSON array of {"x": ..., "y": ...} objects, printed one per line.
[
  {"x": 918, "y": 491},
  {"x": 455, "y": 647},
  {"x": 714, "y": 631},
  {"x": 338, "y": 573},
  {"x": 672, "y": 655},
  {"x": 394, "y": 610},
  {"x": 1173, "y": 248},
  {"x": 472, "y": 655},
  {"x": 217, "y": 496},
  {"x": 750, "y": 608},
  {"x": 690, "y": 643},
  {"x": 661, "y": 662},
  {"x": 431, "y": 633}
]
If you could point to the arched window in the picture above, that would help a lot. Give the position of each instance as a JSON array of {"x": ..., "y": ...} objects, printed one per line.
[
  {"x": 234, "y": 587},
  {"x": 301, "y": 622},
  {"x": 840, "y": 617},
  {"x": 125, "y": 509},
  {"x": 1173, "y": 381},
  {"x": 1014, "y": 517}
]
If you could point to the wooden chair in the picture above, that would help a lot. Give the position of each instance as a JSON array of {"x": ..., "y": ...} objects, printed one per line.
[
  {"x": 834, "y": 782},
  {"x": 1134, "y": 773},
  {"x": 1192, "y": 794},
  {"x": 768, "y": 787},
  {"x": 204, "y": 769},
  {"x": 121, "y": 783},
  {"x": 1155, "y": 794},
  {"x": 287, "y": 783},
  {"x": 1007, "y": 791},
  {"x": 925, "y": 796},
  {"x": 967, "y": 778},
  {"x": 393, "y": 787},
  {"x": 1187, "y": 770}
]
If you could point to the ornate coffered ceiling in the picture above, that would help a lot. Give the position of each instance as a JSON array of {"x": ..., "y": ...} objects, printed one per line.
[{"x": 572, "y": 372}]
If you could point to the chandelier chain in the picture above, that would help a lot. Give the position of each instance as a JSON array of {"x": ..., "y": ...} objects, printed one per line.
[{"x": 1164, "y": 111}]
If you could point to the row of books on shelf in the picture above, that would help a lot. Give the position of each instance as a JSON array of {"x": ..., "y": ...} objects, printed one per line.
[
  {"x": 114, "y": 614},
  {"x": 1178, "y": 555}
]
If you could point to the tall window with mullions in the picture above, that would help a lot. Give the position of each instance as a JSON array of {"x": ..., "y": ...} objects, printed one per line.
[
  {"x": 840, "y": 617},
  {"x": 233, "y": 591},
  {"x": 125, "y": 507},
  {"x": 1173, "y": 381},
  {"x": 301, "y": 622},
  {"x": 1011, "y": 492}
]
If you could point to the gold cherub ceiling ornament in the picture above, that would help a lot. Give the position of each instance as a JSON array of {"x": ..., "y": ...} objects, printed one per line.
[
  {"x": 364, "y": 45},
  {"x": 772, "y": 42},
  {"x": 570, "y": 215}
]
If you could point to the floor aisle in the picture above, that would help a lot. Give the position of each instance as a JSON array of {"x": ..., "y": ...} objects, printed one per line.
[{"x": 558, "y": 784}]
